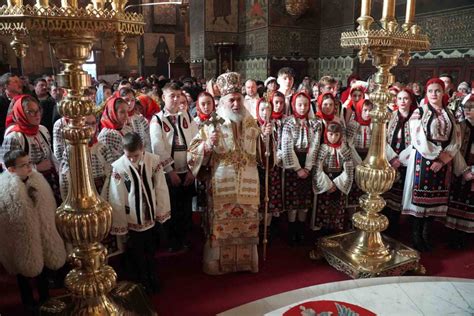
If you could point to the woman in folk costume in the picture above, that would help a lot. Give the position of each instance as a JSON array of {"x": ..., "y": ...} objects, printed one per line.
[
  {"x": 114, "y": 127},
  {"x": 357, "y": 93},
  {"x": 435, "y": 141},
  {"x": 27, "y": 134},
  {"x": 460, "y": 216},
  {"x": 332, "y": 180},
  {"x": 137, "y": 122},
  {"x": 299, "y": 143},
  {"x": 265, "y": 119},
  {"x": 392, "y": 104},
  {"x": 398, "y": 138}
]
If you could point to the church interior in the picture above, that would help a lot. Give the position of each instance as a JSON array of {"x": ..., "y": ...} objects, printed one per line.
[{"x": 237, "y": 157}]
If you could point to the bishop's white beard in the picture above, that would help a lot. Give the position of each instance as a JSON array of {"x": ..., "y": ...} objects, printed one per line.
[{"x": 226, "y": 112}]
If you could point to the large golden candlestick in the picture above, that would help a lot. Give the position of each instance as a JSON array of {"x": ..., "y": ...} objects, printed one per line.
[
  {"x": 365, "y": 252},
  {"x": 84, "y": 219}
]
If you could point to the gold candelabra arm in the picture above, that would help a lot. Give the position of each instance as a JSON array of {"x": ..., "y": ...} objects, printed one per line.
[{"x": 365, "y": 20}]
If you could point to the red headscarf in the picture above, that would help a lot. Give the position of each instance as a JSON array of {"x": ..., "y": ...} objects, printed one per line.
[
  {"x": 320, "y": 114},
  {"x": 346, "y": 93},
  {"x": 358, "y": 113},
  {"x": 150, "y": 106},
  {"x": 260, "y": 119},
  {"x": 293, "y": 104},
  {"x": 109, "y": 116},
  {"x": 362, "y": 89},
  {"x": 202, "y": 116},
  {"x": 19, "y": 117},
  {"x": 277, "y": 115},
  {"x": 445, "y": 98}
]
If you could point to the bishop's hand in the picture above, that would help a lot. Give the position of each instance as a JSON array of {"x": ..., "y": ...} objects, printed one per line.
[{"x": 214, "y": 138}]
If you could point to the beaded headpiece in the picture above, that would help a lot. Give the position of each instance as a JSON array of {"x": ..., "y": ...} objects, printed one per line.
[{"x": 229, "y": 82}]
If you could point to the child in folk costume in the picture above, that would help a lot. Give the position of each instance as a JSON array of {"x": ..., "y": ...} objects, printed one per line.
[
  {"x": 139, "y": 197},
  {"x": 171, "y": 133},
  {"x": 357, "y": 93},
  {"x": 31, "y": 244},
  {"x": 299, "y": 142},
  {"x": 137, "y": 122},
  {"x": 327, "y": 110},
  {"x": 205, "y": 107},
  {"x": 359, "y": 131},
  {"x": 460, "y": 216},
  {"x": 435, "y": 141},
  {"x": 101, "y": 161},
  {"x": 398, "y": 138},
  {"x": 59, "y": 143},
  {"x": 266, "y": 120},
  {"x": 27, "y": 134},
  {"x": 332, "y": 180},
  {"x": 114, "y": 125}
]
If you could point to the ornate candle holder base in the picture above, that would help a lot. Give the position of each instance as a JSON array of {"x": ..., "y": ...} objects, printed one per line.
[
  {"x": 337, "y": 252},
  {"x": 125, "y": 299}
]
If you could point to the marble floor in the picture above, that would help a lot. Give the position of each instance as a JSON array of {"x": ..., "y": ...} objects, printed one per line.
[{"x": 383, "y": 296}]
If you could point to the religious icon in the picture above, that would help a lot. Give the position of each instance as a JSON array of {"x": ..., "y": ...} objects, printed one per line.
[
  {"x": 162, "y": 55},
  {"x": 222, "y": 9}
]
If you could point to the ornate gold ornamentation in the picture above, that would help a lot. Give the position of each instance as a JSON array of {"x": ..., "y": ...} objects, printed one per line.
[
  {"x": 324, "y": 242},
  {"x": 84, "y": 219},
  {"x": 366, "y": 251},
  {"x": 408, "y": 253}
]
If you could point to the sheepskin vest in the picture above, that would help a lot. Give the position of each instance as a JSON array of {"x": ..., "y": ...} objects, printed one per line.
[{"x": 28, "y": 234}]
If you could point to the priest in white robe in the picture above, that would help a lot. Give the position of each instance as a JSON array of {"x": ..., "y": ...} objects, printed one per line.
[{"x": 227, "y": 146}]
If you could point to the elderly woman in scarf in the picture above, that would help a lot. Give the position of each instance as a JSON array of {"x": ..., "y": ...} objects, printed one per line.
[{"x": 27, "y": 134}]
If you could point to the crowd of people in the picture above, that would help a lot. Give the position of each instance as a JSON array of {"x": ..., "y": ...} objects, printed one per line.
[{"x": 164, "y": 148}]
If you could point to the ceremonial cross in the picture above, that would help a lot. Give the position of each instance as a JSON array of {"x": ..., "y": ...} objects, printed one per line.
[{"x": 214, "y": 120}]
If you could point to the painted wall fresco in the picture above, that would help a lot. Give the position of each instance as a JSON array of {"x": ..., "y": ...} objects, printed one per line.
[
  {"x": 279, "y": 16},
  {"x": 164, "y": 14},
  {"x": 254, "y": 14},
  {"x": 222, "y": 15}
]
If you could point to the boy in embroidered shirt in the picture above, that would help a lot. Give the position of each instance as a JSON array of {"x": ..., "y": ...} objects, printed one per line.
[
  {"x": 139, "y": 196},
  {"x": 171, "y": 133}
]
